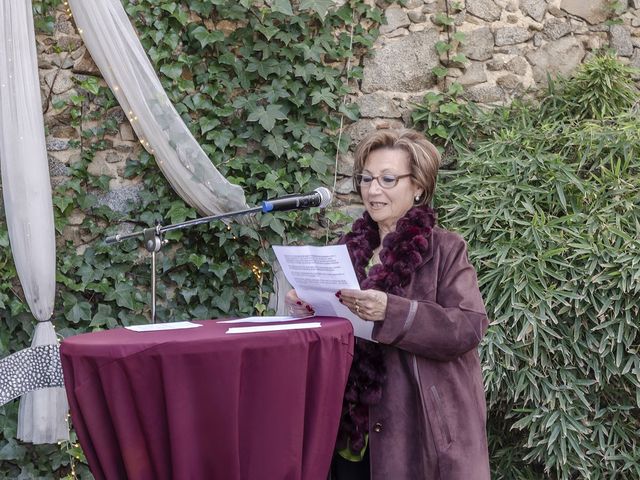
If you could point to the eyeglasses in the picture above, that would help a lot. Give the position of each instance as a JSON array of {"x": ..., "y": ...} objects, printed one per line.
[{"x": 385, "y": 181}]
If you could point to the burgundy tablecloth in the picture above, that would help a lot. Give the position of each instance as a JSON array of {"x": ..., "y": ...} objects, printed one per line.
[{"x": 201, "y": 404}]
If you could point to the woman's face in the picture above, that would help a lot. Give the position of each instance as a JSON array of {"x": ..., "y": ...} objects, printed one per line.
[{"x": 387, "y": 205}]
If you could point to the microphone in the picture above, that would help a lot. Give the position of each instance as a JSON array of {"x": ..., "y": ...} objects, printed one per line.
[{"x": 320, "y": 197}]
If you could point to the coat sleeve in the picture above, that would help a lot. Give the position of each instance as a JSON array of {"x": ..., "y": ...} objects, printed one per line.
[{"x": 442, "y": 329}]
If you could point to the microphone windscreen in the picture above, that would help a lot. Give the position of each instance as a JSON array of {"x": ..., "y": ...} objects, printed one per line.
[{"x": 325, "y": 196}]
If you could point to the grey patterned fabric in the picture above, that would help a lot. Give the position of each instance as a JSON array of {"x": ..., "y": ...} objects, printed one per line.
[{"x": 30, "y": 369}]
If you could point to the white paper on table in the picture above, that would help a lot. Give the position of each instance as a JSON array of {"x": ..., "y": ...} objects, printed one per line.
[
  {"x": 317, "y": 273},
  {"x": 274, "y": 328},
  {"x": 157, "y": 327},
  {"x": 262, "y": 319}
]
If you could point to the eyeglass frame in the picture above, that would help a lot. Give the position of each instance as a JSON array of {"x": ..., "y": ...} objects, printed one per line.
[{"x": 376, "y": 177}]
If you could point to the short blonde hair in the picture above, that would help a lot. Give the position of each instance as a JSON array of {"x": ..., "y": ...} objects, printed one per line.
[{"x": 424, "y": 158}]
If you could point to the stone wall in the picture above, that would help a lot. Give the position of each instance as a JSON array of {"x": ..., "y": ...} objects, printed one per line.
[{"x": 512, "y": 45}]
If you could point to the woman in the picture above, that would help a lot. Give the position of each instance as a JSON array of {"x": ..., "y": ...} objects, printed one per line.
[{"x": 414, "y": 404}]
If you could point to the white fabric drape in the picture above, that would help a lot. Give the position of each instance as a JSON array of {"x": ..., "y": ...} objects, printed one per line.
[
  {"x": 26, "y": 190},
  {"x": 118, "y": 53}
]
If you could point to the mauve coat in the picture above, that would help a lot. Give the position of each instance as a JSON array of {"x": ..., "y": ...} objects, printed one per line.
[{"x": 431, "y": 421}]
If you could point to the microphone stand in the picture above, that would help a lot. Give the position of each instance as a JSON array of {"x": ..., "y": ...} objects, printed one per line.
[{"x": 153, "y": 241}]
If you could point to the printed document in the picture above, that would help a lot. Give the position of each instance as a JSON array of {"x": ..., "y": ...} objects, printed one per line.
[{"x": 317, "y": 273}]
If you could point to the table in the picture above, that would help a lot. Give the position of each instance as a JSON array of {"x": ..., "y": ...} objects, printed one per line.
[{"x": 203, "y": 404}]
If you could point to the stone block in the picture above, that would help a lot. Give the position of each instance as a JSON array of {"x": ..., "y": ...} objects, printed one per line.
[
  {"x": 593, "y": 11},
  {"x": 353, "y": 211},
  {"x": 556, "y": 28},
  {"x": 484, "y": 9},
  {"x": 360, "y": 129},
  {"x": 345, "y": 164},
  {"x": 621, "y": 40},
  {"x": 534, "y": 8},
  {"x": 517, "y": 65},
  {"x": 345, "y": 186},
  {"x": 64, "y": 131},
  {"x": 57, "y": 144},
  {"x": 126, "y": 133},
  {"x": 85, "y": 65},
  {"x": 117, "y": 114},
  {"x": 60, "y": 60},
  {"x": 510, "y": 83},
  {"x": 113, "y": 157},
  {"x": 57, "y": 168},
  {"x": 512, "y": 35},
  {"x": 68, "y": 42},
  {"x": 479, "y": 44},
  {"x": 496, "y": 65},
  {"x": 635, "y": 62},
  {"x": 398, "y": 32},
  {"x": 64, "y": 26},
  {"x": 402, "y": 65},
  {"x": 484, "y": 93},
  {"x": 76, "y": 218},
  {"x": 474, "y": 75},
  {"x": 378, "y": 105},
  {"x": 100, "y": 166},
  {"x": 417, "y": 15},
  {"x": 556, "y": 58},
  {"x": 395, "y": 18},
  {"x": 62, "y": 81},
  {"x": 121, "y": 199}
]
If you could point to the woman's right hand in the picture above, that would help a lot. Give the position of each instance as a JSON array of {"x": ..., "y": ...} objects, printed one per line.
[{"x": 297, "y": 307}]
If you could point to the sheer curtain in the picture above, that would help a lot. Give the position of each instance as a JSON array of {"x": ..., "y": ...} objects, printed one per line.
[
  {"x": 118, "y": 53},
  {"x": 26, "y": 190}
]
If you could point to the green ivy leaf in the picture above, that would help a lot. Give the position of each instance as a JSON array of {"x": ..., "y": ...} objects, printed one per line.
[
  {"x": 443, "y": 19},
  {"x": 169, "y": 7},
  {"x": 179, "y": 212},
  {"x": 62, "y": 202},
  {"x": 103, "y": 317},
  {"x": 267, "y": 116},
  {"x": 123, "y": 294},
  {"x": 442, "y": 47},
  {"x": 207, "y": 124},
  {"x": 205, "y": 37},
  {"x": 276, "y": 143},
  {"x": 282, "y": 6},
  {"x": 277, "y": 226},
  {"x": 321, "y": 7},
  {"x": 220, "y": 270},
  {"x": 440, "y": 72},
  {"x": 80, "y": 312},
  {"x": 323, "y": 95},
  {"x": 197, "y": 260},
  {"x": 171, "y": 70},
  {"x": 459, "y": 37},
  {"x": 459, "y": 58},
  {"x": 12, "y": 451},
  {"x": 455, "y": 89}
]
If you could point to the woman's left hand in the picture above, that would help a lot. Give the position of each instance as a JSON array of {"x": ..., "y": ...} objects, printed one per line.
[{"x": 367, "y": 304}]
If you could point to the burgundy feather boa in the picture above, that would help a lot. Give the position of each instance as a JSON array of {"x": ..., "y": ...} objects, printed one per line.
[{"x": 402, "y": 252}]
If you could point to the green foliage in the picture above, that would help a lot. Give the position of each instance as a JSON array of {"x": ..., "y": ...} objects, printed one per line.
[
  {"x": 602, "y": 88},
  {"x": 261, "y": 88},
  {"x": 547, "y": 197}
]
